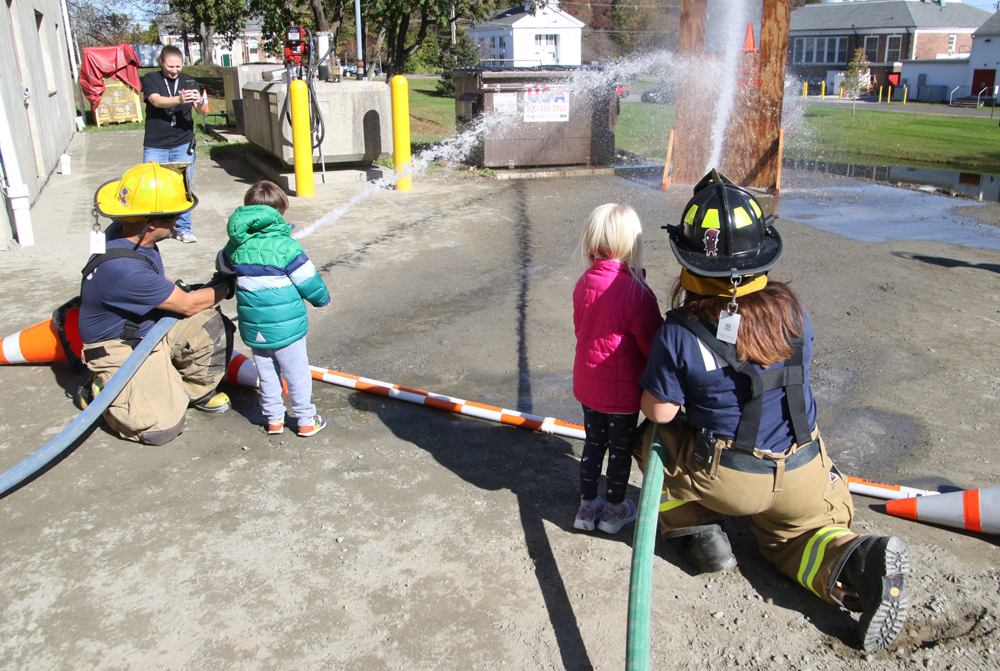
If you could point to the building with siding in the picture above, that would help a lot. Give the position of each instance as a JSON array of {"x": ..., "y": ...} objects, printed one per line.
[
  {"x": 521, "y": 38},
  {"x": 37, "y": 94},
  {"x": 823, "y": 37}
]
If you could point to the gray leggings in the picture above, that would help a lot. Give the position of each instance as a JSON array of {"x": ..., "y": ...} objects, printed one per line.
[{"x": 292, "y": 363}]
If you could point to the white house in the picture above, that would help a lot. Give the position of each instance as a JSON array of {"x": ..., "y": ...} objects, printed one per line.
[
  {"x": 247, "y": 48},
  {"x": 521, "y": 38},
  {"x": 945, "y": 79}
]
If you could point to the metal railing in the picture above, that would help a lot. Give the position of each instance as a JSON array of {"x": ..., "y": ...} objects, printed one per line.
[
  {"x": 951, "y": 98},
  {"x": 979, "y": 98}
]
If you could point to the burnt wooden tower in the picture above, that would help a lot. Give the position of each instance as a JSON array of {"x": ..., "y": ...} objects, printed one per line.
[{"x": 752, "y": 139}]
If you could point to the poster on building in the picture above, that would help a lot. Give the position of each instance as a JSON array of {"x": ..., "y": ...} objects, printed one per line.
[
  {"x": 505, "y": 103},
  {"x": 546, "y": 104}
]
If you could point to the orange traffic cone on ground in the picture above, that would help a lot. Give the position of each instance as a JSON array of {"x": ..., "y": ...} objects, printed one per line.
[
  {"x": 748, "y": 43},
  {"x": 974, "y": 510},
  {"x": 38, "y": 344},
  {"x": 242, "y": 370}
]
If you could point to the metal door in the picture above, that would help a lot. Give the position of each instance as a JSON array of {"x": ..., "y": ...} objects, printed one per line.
[{"x": 983, "y": 79}]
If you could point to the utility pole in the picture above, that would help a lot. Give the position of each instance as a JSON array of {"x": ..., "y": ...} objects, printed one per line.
[{"x": 454, "y": 41}]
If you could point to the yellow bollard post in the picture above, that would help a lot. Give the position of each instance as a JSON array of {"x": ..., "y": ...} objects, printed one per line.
[
  {"x": 401, "y": 131},
  {"x": 822, "y": 90},
  {"x": 906, "y": 89},
  {"x": 301, "y": 139},
  {"x": 805, "y": 89},
  {"x": 880, "y": 94},
  {"x": 888, "y": 95}
]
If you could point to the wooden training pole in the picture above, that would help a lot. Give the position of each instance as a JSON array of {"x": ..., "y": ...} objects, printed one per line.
[{"x": 666, "y": 167}]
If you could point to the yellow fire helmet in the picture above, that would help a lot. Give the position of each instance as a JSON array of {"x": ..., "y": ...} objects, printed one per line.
[{"x": 147, "y": 190}]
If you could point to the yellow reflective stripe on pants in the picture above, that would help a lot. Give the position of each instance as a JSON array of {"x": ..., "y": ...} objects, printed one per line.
[
  {"x": 670, "y": 505},
  {"x": 812, "y": 556}
]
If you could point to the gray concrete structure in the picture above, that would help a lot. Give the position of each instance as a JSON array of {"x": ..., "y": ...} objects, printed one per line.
[
  {"x": 358, "y": 118},
  {"x": 36, "y": 89},
  {"x": 233, "y": 80}
]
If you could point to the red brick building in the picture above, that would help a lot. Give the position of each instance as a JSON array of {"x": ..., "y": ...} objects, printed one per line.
[{"x": 824, "y": 37}]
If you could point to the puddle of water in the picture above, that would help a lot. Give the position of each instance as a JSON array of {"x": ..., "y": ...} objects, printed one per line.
[
  {"x": 877, "y": 213},
  {"x": 984, "y": 187}
]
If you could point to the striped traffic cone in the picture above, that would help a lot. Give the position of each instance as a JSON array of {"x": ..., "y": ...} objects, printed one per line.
[
  {"x": 242, "y": 370},
  {"x": 38, "y": 344},
  {"x": 974, "y": 510}
]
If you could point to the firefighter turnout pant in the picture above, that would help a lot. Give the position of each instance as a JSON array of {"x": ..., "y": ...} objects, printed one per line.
[
  {"x": 187, "y": 365},
  {"x": 799, "y": 506}
]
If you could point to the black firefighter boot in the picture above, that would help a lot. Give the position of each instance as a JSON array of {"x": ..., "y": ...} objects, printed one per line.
[
  {"x": 708, "y": 549},
  {"x": 875, "y": 571}
]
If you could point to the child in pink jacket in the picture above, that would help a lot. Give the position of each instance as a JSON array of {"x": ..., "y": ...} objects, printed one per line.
[{"x": 616, "y": 316}]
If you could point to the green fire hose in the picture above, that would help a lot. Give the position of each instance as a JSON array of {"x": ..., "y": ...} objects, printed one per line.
[{"x": 641, "y": 583}]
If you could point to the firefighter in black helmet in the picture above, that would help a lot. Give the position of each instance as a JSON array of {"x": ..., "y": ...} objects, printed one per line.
[{"x": 735, "y": 353}]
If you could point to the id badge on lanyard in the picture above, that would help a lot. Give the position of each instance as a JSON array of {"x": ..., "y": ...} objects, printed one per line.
[{"x": 173, "y": 115}]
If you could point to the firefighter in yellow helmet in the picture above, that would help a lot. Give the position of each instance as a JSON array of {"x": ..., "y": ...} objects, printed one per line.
[
  {"x": 124, "y": 292},
  {"x": 735, "y": 352}
]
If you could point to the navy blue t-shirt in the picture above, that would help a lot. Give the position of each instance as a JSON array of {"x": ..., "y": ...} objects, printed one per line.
[
  {"x": 682, "y": 369},
  {"x": 122, "y": 289}
]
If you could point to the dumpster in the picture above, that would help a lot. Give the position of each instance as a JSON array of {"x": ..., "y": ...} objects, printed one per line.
[{"x": 556, "y": 121}]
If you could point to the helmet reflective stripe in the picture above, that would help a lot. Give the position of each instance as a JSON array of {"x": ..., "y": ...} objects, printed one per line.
[
  {"x": 710, "y": 219},
  {"x": 812, "y": 556},
  {"x": 756, "y": 207},
  {"x": 689, "y": 217},
  {"x": 741, "y": 218}
]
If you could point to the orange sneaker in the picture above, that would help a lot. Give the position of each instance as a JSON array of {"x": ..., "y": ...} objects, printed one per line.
[{"x": 315, "y": 425}]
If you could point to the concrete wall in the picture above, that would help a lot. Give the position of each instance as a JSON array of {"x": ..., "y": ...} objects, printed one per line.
[
  {"x": 357, "y": 115},
  {"x": 33, "y": 54}
]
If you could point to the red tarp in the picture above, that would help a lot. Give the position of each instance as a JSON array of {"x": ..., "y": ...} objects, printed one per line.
[{"x": 119, "y": 62}]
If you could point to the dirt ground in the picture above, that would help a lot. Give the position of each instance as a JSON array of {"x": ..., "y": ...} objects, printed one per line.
[{"x": 409, "y": 538}]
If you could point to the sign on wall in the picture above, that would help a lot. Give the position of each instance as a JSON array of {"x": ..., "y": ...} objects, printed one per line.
[
  {"x": 505, "y": 103},
  {"x": 546, "y": 104}
]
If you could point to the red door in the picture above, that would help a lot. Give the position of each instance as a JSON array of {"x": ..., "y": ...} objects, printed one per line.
[{"x": 983, "y": 79}]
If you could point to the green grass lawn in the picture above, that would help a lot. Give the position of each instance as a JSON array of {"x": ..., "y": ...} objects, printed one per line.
[
  {"x": 644, "y": 129},
  {"x": 896, "y": 138}
]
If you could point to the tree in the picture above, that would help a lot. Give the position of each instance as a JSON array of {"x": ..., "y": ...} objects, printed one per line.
[
  {"x": 103, "y": 24},
  {"x": 209, "y": 17},
  {"x": 463, "y": 54},
  {"x": 857, "y": 75},
  {"x": 407, "y": 23}
]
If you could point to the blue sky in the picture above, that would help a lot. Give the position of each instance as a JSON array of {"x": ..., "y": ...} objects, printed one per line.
[{"x": 988, "y": 5}]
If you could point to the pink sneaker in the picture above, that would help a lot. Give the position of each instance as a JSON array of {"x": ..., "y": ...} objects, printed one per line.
[{"x": 587, "y": 516}]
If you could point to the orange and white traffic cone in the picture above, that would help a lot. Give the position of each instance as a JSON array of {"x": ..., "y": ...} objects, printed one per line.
[
  {"x": 974, "y": 510},
  {"x": 242, "y": 370},
  {"x": 36, "y": 344}
]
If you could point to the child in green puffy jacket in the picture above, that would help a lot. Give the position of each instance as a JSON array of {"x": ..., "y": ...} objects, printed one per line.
[{"x": 273, "y": 276}]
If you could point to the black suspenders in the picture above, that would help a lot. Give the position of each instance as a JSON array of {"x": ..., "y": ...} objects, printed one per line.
[
  {"x": 791, "y": 377},
  {"x": 131, "y": 327}
]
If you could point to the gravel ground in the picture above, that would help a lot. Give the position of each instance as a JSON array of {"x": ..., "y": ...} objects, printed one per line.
[{"x": 410, "y": 538}]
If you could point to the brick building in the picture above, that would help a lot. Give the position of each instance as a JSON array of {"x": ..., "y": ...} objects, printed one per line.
[{"x": 823, "y": 37}]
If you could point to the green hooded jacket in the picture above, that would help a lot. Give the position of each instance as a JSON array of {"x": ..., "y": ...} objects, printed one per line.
[{"x": 273, "y": 276}]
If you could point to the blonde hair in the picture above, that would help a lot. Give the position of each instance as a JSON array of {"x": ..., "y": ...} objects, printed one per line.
[{"x": 613, "y": 232}]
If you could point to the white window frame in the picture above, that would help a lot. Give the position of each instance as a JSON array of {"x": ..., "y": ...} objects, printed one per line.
[
  {"x": 952, "y": 44},
  {"x": 821, "y": 50},
  {"x": 889, "y": 49},
  {"x": 870, "y": 59}
]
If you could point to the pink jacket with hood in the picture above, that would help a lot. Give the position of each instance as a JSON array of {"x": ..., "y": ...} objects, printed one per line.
[{"x": 615, "y": 317}]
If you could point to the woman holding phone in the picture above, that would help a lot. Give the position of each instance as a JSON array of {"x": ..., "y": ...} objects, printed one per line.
[{"x": 170, "y": 95}]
